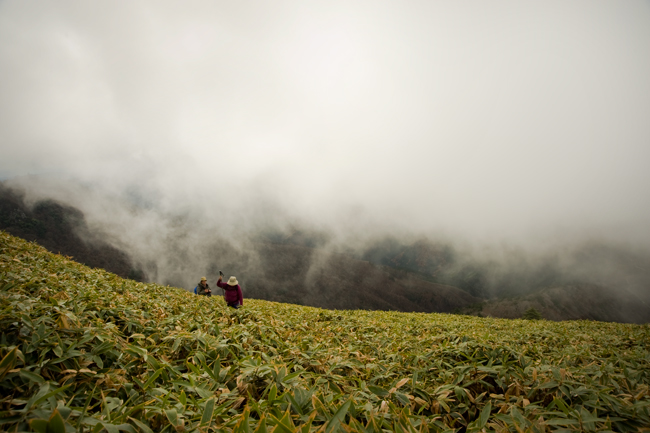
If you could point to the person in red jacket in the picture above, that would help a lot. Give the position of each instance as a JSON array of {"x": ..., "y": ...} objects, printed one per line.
[{"x": 233, "y": 294}]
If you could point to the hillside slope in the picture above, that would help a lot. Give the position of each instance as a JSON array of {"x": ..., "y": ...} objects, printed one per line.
[
  {"x": 570, "y": 302},
  {"x": 61, "y": 229},
  {"x": 84, "y": 350}
]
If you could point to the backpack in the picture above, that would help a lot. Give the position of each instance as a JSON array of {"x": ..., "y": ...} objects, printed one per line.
[{"x": 196, "y": 290}]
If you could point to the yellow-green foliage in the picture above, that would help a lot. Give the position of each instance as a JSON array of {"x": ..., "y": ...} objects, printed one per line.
[{"x": 84, "y": 350}]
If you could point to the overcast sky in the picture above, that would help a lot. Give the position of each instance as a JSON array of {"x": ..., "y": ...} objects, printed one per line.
[{"x": 496, "y": 119}]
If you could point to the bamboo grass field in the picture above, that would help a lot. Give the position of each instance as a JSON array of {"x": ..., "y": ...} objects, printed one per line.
[{"x": 83, "y": 350}]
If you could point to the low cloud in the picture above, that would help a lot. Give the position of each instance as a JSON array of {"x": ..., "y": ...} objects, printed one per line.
[{"x": 182, "y": 129}]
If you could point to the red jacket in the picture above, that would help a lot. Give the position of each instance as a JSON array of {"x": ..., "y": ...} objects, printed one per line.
[{"x": 233, "y": 293}]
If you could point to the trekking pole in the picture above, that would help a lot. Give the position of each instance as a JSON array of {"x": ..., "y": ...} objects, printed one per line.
[{"x": 222, "y": 289}]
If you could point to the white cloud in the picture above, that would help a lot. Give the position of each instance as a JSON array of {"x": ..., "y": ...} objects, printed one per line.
[{"x": 490, "y": 120}]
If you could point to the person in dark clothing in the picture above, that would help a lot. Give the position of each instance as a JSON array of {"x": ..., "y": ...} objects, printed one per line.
[
  {"x": 204, "y": 289},
  {"x": 232, "y": 294}
]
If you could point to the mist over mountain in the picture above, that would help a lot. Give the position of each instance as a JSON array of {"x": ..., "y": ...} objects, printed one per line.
[
  {"x": 496, "y": 148},
  {"x": 63, "y": 230},
  {"x": 319, "y": 268}
]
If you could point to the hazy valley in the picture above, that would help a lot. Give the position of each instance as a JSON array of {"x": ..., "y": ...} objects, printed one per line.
[{"x": 298, "y": 267}]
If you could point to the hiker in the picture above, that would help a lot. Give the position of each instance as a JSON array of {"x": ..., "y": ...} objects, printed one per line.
[
  {"x": 203, "y": 288},
  {"x": 232, "y": 295}
]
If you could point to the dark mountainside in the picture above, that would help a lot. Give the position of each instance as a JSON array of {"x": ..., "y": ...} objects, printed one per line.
[
  {"x": 61, "y": 229},
  {"x": 441, "y": 263},
  {"x": 597, "y": 282},
  {"x": 292, "y": 273},
  {"x": 575, "y": 301}
]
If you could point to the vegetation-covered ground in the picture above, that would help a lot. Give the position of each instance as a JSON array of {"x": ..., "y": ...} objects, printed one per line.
[{"x": 84, "y": 350}]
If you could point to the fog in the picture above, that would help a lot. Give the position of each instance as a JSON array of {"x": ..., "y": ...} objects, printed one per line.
[{"x": 496, "y": 125}]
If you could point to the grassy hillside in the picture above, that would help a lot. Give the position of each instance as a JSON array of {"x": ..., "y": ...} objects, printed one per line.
[{"x": 84, "y": 350}]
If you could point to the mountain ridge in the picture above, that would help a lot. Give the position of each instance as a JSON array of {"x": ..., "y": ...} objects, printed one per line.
[
  {"x": 62, "y": 229},
  {"x": 297, "y": 269},
  {"x": 579, "y": 301}
]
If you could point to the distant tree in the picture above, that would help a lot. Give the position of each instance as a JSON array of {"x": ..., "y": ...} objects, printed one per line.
[{"x": 532, "y": 314}]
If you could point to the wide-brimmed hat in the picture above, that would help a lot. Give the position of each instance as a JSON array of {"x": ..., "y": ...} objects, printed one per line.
[
  {"x": 204, "y": 279},
  {"x": 232, "y": 281}
]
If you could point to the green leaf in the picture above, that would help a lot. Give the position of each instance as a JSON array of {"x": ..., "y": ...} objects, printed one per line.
[
  {"x": 110, "y": 428},
  {"x": 402, "y": 398},
  {"x": 562, "y": 421},
  {"x": 136, "y": 350},
  {"x": 32, "y": 377},
  {"x": 334, "y": 423},
  {"x": 378, "y": 391},
  {"x": 210, "y": 372},
  {"x": 282, "y": 371},
  {"x": 142, "y": 426},
  {"x": 273, "y": 392},
  {"x": 8, "y": 287},
  {"x": 172, "y": 416},
  {"x": 43, "y": 397},
  {"x": 58, "y": 351},
  {"x": 284, "y": 424},
  {"x": 207, "y": 412},
  {"x": 518, "y": 417},
  {"x": 200, "y": 357},
  {"x": 242, "y": 425},
  {"x": 8, "y": 362},
  {"x": 64, "y": 411},
  {"x": 216, "y": 369},
  {"x": 560, "y": 404},
  {"x": 194, "y": 368},
  {"x": 485, "y": 415},
  {"x": 152, "y": 378},
  {"x": 56, "y": 424},
  {"x": 294, "y": 404},
  {"x": 38, "y": 425},
  {"x": 103, "y": 348},
  {"x": 290, "y": 377},
  {"x": 261, "y": 425}
]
